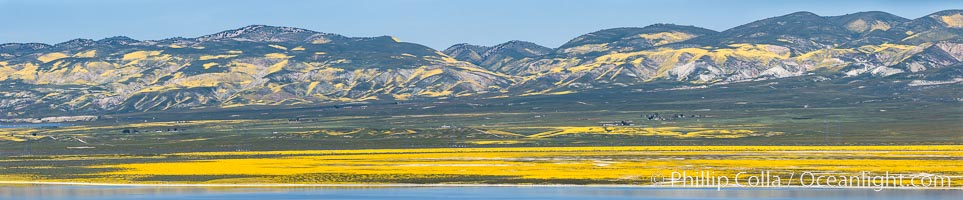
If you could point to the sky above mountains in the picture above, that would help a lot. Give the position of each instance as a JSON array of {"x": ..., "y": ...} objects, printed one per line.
[{"x": 435, "y": 23}]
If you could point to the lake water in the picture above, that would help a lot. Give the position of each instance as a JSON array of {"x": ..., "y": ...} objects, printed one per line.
[{"x": 460, "y": 193}]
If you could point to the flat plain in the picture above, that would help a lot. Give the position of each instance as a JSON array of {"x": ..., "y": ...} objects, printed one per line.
[{"x": 621, "y": 136}]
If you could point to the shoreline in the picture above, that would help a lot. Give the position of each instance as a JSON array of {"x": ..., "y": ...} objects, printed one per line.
[{"x": 412, "y": 185}]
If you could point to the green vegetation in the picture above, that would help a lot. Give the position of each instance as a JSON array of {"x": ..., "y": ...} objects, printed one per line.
[{"x": 795, "y": 111}]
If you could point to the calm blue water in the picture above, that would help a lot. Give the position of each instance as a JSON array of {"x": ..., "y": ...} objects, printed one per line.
[{"x": 460, "y": 193}]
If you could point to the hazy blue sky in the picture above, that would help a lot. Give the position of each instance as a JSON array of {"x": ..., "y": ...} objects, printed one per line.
[{"x": 435, "y": 23}]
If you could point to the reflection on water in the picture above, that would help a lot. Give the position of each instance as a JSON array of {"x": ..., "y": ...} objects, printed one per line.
[{"x": 418, "y": 193}]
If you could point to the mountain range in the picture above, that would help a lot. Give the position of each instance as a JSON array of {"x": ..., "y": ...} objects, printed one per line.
[{"x": 268, "y": 65}]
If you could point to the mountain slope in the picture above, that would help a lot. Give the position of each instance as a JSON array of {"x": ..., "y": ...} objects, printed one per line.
[
  {"x": 629, "y": 39},
  {"x": 800, "y": 32},
  {"x": 791, "y": 45},
  {"x": 247, "y": 66},
  {"x": 467, "y": 52},
  {"x": 267, "y": 65},
  {"x": 865, "y": 22},
  {"x": 496, "y": 57},
  {"x": 939, "y": 26}
]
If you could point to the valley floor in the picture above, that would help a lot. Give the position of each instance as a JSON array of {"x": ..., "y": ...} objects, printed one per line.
[
  {"x": 786, "y": 128},
  {"x": 598, "y": 165}
]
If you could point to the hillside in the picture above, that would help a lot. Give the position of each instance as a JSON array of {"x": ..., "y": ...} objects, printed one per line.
[{"x": 265, "y": 65}]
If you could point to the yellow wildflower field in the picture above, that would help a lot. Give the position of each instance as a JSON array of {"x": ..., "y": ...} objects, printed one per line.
[{"x": 631, "y": 165}]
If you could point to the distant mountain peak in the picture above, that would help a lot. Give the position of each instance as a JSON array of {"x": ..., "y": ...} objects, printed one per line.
[
  {"x": 259, "y": 33},
  {"x": 630, "y": 39},
  {"x": 514, "y": 43},
  {"x": 485, "y": 55},
  {"x": 518, "y": 48},
  {"x": 672, "y": 26},
  {"x": 75, "y": 43},
  {"x": 118, "y": 40},
  {"x": 863, "y": 22},
  {"x": 273, "y": 29},
  {"x": 23, "y": 47},
  {"x": 819, "y": 32},
  {"x": 874, "y": 13},
  {"x": 871, "y": 15},
  {"x": 465, "y": 46},
  {"x": 801, "y": 14},
  {"x": 947, "y": 12},
  {"x": 467, "y": 52},
  {"x": 949, "y": 18},
  {"x": 462, "y": 45}
]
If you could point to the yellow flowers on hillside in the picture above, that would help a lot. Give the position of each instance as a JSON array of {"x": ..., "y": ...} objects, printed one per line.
[
  {"x": 277, "y": 55},
  {"x": 211, "y": 57},
  {"x": 139, "y": 55},
  {"x": 278, "y": 47},
  {"x": 661, "y": 38},
  {"x": 955, "y": 20},
  {"x": 86, "y": 54},
  {"x": 51, "y": 57}
]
